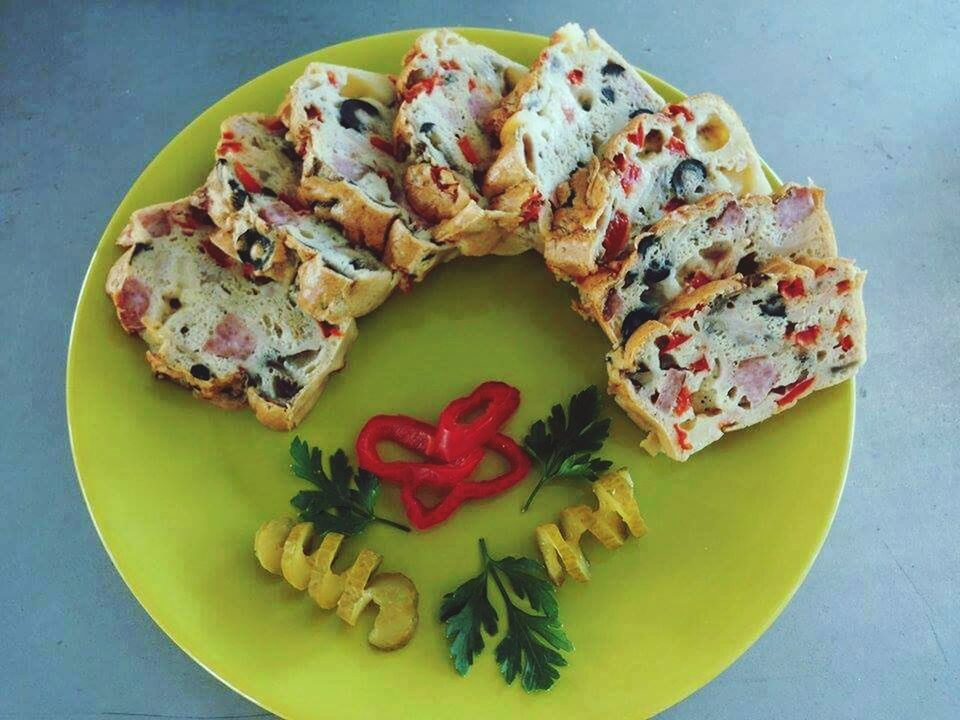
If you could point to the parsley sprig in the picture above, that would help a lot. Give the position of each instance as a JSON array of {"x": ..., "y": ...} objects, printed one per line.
[
  {"x": 532, "y": 645},
  {"x": 335, "y": 506},
  {"x": 564, "y": 443}
]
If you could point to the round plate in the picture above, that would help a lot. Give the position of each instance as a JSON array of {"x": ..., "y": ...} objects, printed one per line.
[{"x": 177, "y": 487}]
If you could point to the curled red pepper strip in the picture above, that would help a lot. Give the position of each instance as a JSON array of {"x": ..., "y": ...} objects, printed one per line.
[
  {"x": 423, "y": 517},
  {"x": 519, "y": 462},
  {"x": 414, "y": 435},
  {"x": 495, "y": 401}
]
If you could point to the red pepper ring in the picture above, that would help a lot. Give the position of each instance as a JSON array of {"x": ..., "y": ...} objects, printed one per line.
[
  {"x": 453, "y": 439},
  {"x": 414, "y": 435},
  {"x": 423, "y": 517},
  {"x": 519, "y": 462}
]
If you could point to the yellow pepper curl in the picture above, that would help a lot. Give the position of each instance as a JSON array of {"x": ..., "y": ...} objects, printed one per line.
[
  {"x": 285, "y": 547},
  {"x": 617, "y": 515}
]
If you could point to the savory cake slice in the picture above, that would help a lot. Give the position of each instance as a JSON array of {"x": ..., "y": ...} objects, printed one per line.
[
  {"x": 712, "y": 239},
  {"x": 340, "y": 121},
  {"x": 233, "y": 341},
  {"x": 737, "y": 351},
  {"x": 448, "y": 87},
  {"x": 271, "y": 233},
  {"x": 656, "y": 163},
  {"x": 579, "y": 92}
]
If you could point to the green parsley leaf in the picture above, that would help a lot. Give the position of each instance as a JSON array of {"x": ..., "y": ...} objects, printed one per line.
[
  {"x": 531, "y": 647},
  {"x": 335, "y": 506},
  {"x": 563, "y": 444},
  {"x": 465, "y": 611}
]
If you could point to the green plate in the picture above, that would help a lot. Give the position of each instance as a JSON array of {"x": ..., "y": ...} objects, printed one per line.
[{"x": 177, "y": 487}]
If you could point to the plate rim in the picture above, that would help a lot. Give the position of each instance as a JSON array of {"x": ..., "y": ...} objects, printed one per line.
[{"x": 86, "y": 286}]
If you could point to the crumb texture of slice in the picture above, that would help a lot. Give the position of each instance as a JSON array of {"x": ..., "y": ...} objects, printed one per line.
[
  {"x": 448, "y": 87},
  {"x": 341, "y": 122},
  {"x": 233, "y": 341},
  {"x": 656, "y": 163},
  {"x": 715, "y": 238},
  {"x": 736, "y": 352},
  {"x": 579, "y": 92},
  {"x": 253, "y": 161}
]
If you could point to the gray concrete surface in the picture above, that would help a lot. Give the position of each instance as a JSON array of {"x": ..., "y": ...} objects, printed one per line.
[{"x": 865, "y": 99}]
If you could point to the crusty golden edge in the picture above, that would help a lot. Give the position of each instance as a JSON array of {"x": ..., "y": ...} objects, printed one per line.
[
  {"x": 362, "y": 221},
  {"x": 325, "y": 294}
]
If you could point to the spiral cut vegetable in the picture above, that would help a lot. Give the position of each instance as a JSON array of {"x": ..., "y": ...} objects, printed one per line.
[
  {"x": 616, "y": 517},
  {"x": 285, "y": 547}
]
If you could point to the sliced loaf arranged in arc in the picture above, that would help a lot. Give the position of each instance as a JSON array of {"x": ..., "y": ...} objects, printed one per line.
[
  {"x": 579, "y": 92},
  {"x": 340, "y": 121},
  {"x": 656, "y": 163},
  {"x": 738, "y": 351},
  {"x": 715, "y": 238},
  {"x": 448, "y": 87},
  {"x": 234, "y": 342}
]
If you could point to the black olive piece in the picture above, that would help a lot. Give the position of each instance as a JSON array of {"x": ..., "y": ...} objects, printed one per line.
[
  {"x": 687, "y": 179},
  {"x": 284, "y": 388},
  {"x": 267, "y": 191},
  {"x": 612, "y": 68},
  {"x": 634, "y": 319},
  {"x": 645, "y": 243},
  {"x": 840, "y": 368},
  {"x": 200, "y": 372},
  {"x": 348, "y": 113},
  {"x": 478, "y": 177},
  {"x": 757, "y": 280},
  {"x": 175, "y": 303},
  {"x": 291, "y": 153},
  {"x": 668, "y": 361},
  {"x": 656, "y": 272},
  {"x": 748, "y": 264},
  {"x": 254, "y": 248},
  {"x": 640, "y": 111},
  {"x": 630, "y": 278},
  {"x": 773, "y": 306},
  {"x": 427, "y": 127},
  {"x": 221, "y": 161},
  {"x": 238, "y": 196},
  {"x": 608, "y": 94}
]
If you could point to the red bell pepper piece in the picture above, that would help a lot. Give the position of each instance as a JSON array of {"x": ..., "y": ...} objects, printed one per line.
[
  {"x": 616, "y": 237},
  {"x": 414, "y": 435},
  {"x": 249, "y": 182},
  {"x": 423, "y": 517},
  {"x": 495, "y": 402},
  {"x": 530, "y": 208},
  {"x": 469, "y": 153},
  {"x": 794, "y": 390}
]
